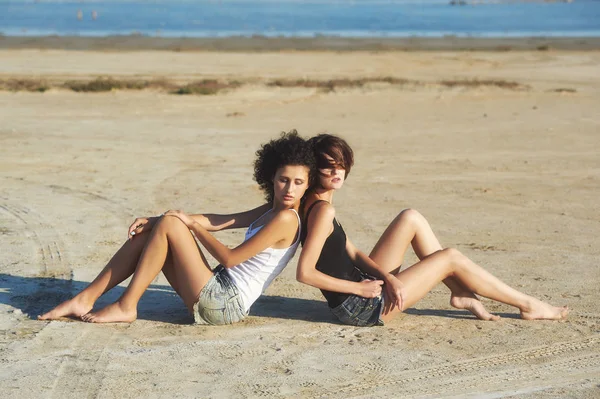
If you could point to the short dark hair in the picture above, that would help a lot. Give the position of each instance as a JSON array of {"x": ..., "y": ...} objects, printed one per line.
[
  {"x": 334, "y": 146},
  {"x": 288, "y": 149}
]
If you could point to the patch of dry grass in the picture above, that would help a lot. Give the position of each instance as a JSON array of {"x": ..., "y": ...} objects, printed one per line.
[
  {"x": 476, "y": 83},
  {"x": 107, "y": 84},
  {"x": 214, "y": 86},
  {"x": 201, "y": 87},
  {"x": 205, "y": 87},
  {"x": 564, "y": 90},
  {"x": 332, "y": 84},
  {"x": 34, "y": 85}
]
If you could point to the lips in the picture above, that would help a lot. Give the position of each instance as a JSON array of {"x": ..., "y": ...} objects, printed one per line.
[{"x": 288, "y": 198}]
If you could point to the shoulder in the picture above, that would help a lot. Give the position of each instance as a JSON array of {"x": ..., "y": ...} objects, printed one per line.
[
  {"x": 322, "y": 210},
  {"x": 287, "y": 216}
]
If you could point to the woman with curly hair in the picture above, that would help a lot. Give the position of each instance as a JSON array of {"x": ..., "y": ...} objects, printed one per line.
[
  {"x": 283, "y": 169},
  {"x": 331, "y": 262}
]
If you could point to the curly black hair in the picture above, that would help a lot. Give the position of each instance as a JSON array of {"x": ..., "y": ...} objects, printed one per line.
[{"x": 288, "y": 149}]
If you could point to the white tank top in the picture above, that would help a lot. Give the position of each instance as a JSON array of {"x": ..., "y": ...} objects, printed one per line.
[{"x": 253, "y": 276}]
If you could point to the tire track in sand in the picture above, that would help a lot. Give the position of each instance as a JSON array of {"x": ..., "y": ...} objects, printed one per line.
[
  {"x": 82, "y": 375},
  {"x": 50, "y": 247},
  {"x": 114, "y": 207},
  {"x": 585, "y": 316},
  {"x": 531, "y": 368},
  {"x": 84, "y": 369},
  {"x": 82, "y": 372}
]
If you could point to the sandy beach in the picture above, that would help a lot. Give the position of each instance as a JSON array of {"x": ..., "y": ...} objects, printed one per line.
[{"x": 509, "y": 175}]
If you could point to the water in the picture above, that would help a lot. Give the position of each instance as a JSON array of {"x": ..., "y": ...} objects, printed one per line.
[{"x": 366, "y": 18}]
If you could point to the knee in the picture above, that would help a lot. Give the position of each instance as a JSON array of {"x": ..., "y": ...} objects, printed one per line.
[
  {"x": 169, "y": 223},
  {"x": 453, "y": 256},
  {"x": 409, "y": 216}
]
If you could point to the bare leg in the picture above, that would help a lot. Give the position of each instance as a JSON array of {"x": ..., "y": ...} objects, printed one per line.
[
  {"x": 171, "y": 274},
  {"x": 192, "y": 272},
  {"x": 120, "y": 267},
  {"x": 177, "y": 279},
  {"x": 411, "y": 228},
  {"x": 419, "y": 279}
]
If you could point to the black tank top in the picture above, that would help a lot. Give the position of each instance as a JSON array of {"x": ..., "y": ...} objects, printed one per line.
[{"x": 334, "y": 260}]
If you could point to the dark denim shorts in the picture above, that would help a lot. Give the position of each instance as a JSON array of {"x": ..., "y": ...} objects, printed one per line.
[
  {"x": 219, "y": 301},
  {"x": 359, "y": 311}
]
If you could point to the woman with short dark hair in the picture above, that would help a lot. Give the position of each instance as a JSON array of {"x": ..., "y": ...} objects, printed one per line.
[{"x": 331, "y": 262}]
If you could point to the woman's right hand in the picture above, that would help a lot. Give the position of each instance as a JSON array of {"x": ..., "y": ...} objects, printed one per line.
[
  {"x": 369, "y": 288},
  {"x": 141, "y": 225}
]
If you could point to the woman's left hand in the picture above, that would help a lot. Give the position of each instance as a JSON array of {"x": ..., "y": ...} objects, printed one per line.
[
  {"x": 394, "y": 290},
  {"x": 185, "y": 218}
]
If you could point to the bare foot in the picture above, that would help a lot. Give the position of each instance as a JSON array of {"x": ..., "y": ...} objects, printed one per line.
[
  {"x": 113, "y": 313},
  {"x": 538, "y": 310},
  {"x": 75, "y": 307},
  {"x": 470, "y": 302}
]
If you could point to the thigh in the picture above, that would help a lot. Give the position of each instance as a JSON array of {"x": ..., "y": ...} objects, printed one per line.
[
  {"x": 419, "y": 279},
  {"x": 170, "y": 274},
  {"x": 409, "y": 227},
  {"x": 391, "y": 247},
  {"x": 189, "y": 269},
  {"x": 129, "y": 254}
]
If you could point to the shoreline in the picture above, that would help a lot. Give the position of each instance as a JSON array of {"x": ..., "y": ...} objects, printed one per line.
[{"x": 321, "y": 43}]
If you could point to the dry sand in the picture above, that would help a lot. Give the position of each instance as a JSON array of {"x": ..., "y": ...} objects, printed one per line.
[{"x": 510, "y": 177}]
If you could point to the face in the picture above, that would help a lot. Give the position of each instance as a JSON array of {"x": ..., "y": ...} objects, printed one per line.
[
  {"x": 332, "y": 178},
  {"x": 290, "y": 183}
]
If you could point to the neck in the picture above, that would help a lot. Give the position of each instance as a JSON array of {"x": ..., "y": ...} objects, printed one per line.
[
  {"x": 324, "y": 194},
  {"x": 277, "y": 206}
]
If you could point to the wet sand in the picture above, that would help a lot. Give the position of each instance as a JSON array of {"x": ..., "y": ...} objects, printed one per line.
[
  {"x": 319, "y": 43},
  {"x": 511, "y": 177}
]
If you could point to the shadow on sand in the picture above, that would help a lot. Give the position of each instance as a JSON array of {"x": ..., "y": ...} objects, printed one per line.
[
  {"x": 293, "y": 308},
  {"x": 37, "y": 295},
  {"x": 455, "y": 314}
]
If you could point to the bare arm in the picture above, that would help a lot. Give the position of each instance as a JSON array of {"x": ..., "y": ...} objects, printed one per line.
[
  {"x": 215, "y": 222},
  {"x": 320, "y": 224},
  {"x": 282, "y": 227},
  {"x": 393, "y": 286},
  {"x": 363, "y": 262},
  {"x": 210, "y": 222}
]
